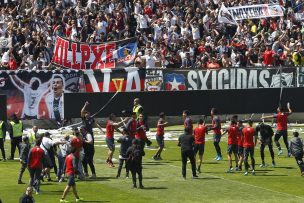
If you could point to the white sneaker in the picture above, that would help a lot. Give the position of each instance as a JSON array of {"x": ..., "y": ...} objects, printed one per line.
[
  {"x": 262, "y": 165},
  {"x": 246, "y": 173},
  {"x": 253, "y": 172},
  {"x": 280, "y": 152}
]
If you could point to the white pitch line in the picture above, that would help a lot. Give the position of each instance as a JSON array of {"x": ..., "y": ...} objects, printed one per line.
[{"x": 282, "y": 193}]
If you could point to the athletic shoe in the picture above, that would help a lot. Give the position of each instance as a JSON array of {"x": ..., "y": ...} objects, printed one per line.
[
  {"x": 289, "y": 154},
  {"x": 79, "y": 199},
  {"x": 237, "y": 169},
  {"x": 63, "y": 200},
  {"x": 246, "y": 173},
  {"x": 134, "y": 186},
  {"x": 253, "y": 172},
  {"x": 61, "y": 180},
  {"x": 159, "y": 158},
  {"x": 280, "y": 152},
  {"x": 216, "y": 157},
  {"x": 263, "y": 165},
  {"x": 219, "y": 158},
  {"x": 20, "y": 182},
  {"x": 229, "y": 170},
  {"x": 127, "y": 177},
  {"x": 93, "y": 176},
  {"x": 86, "y": 175},
  {"x": 195, "y": 176},
  {"x": 273, "y": 164},
  {"x": 141, "y": 187},
  {"x": 199, "y": 170}
]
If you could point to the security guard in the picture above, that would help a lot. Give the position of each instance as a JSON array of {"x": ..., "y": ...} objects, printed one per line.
[
  {"x": 33, "y": 136},
  {"x": 137, "y": 108},
  {"x": 16, "y": 130},
  {"x": 2, "y": 138}
]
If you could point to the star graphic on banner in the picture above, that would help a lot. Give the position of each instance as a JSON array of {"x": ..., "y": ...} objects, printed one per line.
[{"x": 174, "y": 84}]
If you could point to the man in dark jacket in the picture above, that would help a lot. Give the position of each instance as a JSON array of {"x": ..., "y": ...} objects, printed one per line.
[
  {"x": 24, "y": 151},
  {"x": 28, "y": 196},
  {"x": 265, "y": 138},
  {"x": 186, "y": 142},
  {"x": 134, "y": 162},
  {"x": 296, "y": 147},
  {"x": 2, "y": 138},
  {"x": 125, "y": 142}
]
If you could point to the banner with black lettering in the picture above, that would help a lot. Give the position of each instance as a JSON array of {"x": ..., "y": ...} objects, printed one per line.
[
  {"x": 256, "y": 11},
  {"x": 154, "y": 80},
  {"x": 129, "y": 79},
  {"x": 38, "y": 95},
  {"x": 76, "y": 55},
  {"x": 241, "y": 78}
]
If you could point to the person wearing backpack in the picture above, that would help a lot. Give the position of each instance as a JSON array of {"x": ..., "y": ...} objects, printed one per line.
[{"x": 134, "y": 162}]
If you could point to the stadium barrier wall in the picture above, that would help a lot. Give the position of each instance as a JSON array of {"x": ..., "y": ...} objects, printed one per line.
[{"x": 199, "y": 102}]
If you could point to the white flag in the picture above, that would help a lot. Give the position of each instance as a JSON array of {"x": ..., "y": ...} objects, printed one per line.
[
  {"x": 224, "y": 16},
  {"x": 5, "y": 42}
]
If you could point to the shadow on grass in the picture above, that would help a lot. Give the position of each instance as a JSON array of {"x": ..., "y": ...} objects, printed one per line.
[
  {"x": 53, "y": 192},
  {"x": 210, "y": 162},
  {"x": 163, "y": 162},
  {"x": 207, "y": 178},
  {"x": 285, "y": 167},
  {"x": 154, "y": 164},
  {"x": 99, "y": 179},
  {"x": 278, "y": 175},
  {"x": 155, "y": 188},
  {"x": 94, "y": 201}
]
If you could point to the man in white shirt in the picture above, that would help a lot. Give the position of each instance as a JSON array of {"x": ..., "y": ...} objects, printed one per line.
[{"x": 150, "y": 59}]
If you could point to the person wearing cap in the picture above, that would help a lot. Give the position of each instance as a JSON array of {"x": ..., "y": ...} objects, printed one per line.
[
  {"x": 186, "y": 143},
  {"x": 89, "y": 151},
  {"x": 28, "y": 196},
  {"x": 2, "y": 138},
  {"x": 46, "y": 144},
  {"x": 24, "y": 151},
  {"x": 15, "y": 132},
  {"x": 296, "y": 147}
]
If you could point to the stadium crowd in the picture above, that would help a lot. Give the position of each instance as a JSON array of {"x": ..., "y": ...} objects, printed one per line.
[{"x": 171, "y": 33}]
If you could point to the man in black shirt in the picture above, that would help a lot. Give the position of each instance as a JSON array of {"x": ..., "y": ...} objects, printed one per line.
[
  {"x": 186, "y": 142},
  {"x": 265, "y": 131},
  {"x": 125, "y": 142},
  {"x": 2, "y": 138},
  {"x": 88, "y": 121}
]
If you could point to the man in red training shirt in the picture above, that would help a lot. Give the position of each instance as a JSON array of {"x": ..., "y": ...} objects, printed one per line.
[
  {"x": 141, "y": 131},
  {"x": 249, "y": 133},
  {"x": 70, "y": 171},
  {"x": 160, "y": 135},
  {"x": 232, "y": 144},
  {"x": 199, "y": 142},
  {"x": 282, "y": 120},
  {"x": 110, "y": 127},
  {"x": 36, "y": 159},
  {"x": 77, "y": 143}
]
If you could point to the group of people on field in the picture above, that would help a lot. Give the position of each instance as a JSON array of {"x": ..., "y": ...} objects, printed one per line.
[
  {"x": 76, "y": 152},
  {"x": 241, "y": 139}
]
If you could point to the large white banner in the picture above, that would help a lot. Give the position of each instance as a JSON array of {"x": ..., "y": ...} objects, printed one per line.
[{"x": 256, "y": 11}]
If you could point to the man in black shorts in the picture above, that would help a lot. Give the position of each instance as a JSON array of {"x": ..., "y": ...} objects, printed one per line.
[{"x": 265, "y": 138}]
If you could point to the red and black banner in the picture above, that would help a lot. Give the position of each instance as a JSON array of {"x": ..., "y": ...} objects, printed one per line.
[
  {"x": 76, "y": 55},
  {"x": 113, "y": 80}
]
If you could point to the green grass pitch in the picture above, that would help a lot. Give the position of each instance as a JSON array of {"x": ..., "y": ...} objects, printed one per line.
[{"x": 163, "y": 182}]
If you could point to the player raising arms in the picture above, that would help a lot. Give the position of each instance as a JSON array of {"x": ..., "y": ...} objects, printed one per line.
[{"x": 282, "y": 119}]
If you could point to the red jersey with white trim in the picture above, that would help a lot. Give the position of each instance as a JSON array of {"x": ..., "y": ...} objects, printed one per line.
[
  {"x": 160, "y": 131},
  {"x": 110, "y": 129},
  {"x": 232, "y": 134},
  {"x": 216, "y": 121},
  {"x": 282, "y": 120},
  {"x": 69, "y": 165},
  {"x": 199, "y": 134},
  {"x": 248, "y": 133},
  {"x": 35, "y": 158}
]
